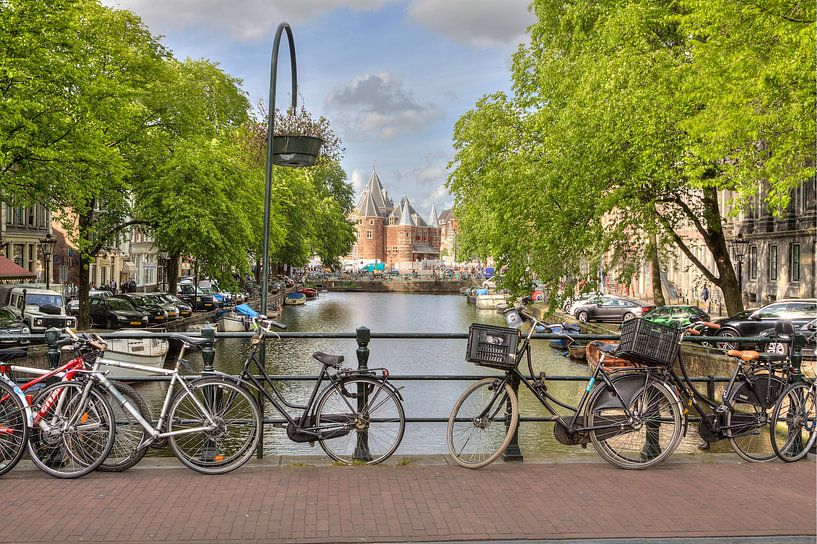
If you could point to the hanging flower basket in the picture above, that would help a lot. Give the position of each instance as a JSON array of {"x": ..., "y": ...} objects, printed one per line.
[{"x": 295, "y": 151}]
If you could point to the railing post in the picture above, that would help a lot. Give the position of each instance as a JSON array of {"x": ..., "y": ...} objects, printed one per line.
[
  {"x": 208, "y": 352},
  {"x": 52, "y": 335},
  {"x": 362, "y": 335},
  {"x": 512, "y": 452},
  {"x": 710, "y": 386}
]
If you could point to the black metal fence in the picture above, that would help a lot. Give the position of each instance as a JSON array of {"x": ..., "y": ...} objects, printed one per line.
[{"x": 363, "y": 336}]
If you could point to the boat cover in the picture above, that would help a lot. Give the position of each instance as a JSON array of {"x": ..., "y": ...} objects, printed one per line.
[{"x": 244, "y": 309}]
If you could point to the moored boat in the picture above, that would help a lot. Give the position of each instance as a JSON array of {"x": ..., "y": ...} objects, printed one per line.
[
  {"x": 577, "y": 352},
  {"x": 295, "y": 299},
  {"x": 309, "y": 292},
  {"x": 490, "y": 302},
  {"x": 594, "y": 354},
  {"x": 140, "y": 351}
]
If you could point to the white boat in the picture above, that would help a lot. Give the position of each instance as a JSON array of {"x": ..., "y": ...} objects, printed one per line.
[
  {"x": 233, "y": 322},
  {"x": 295, "y": 299},
  {"x": 140, "y": 351},
  {"x": 490, "y": 302}
]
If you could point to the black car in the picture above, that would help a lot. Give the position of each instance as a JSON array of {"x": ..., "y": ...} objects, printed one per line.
[
  {"x": 155, "y": 311},
  {"x": 171, "y": 308},
  {"x": 12, "y": 326},
  {"x": 196, "y": 298},
  {"x": 764, "y": 320},
  {"x": 116, "y": 312},
  {"x": 184, "y": 309}
]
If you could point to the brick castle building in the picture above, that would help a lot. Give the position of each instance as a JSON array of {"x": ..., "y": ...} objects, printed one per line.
[{"x": 389, "y": 233}]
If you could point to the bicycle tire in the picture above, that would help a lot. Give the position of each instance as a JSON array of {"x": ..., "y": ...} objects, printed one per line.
[
  {"x": 232, "y": 443},
  {"x": 13, "y": 428},
  {"x": 129, "y": 432},
  {"x": 74, "y": 452},
  {"x": 748, "y": 420},
  {"x": 477, "y": 399},
  {"x": 641, "y": 446},
  {"x": 368, "y": 434},
  {"x": 793, "y": 422}
]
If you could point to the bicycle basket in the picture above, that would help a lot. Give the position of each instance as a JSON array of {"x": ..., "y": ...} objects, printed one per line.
[
  {"x": 493, "y": 347},
  {"x": 649, "y": 343}
]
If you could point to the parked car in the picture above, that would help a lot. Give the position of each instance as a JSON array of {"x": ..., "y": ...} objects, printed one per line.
[
  {"x": 185, "y": 310},
  {"x": 808, "y": 334},
  {"x": 11, "y": 325},
  {"x": 116, "y": 312},
  {"x": 572, "y": 304},
  {"x": 764, "y": 320},
  {"x": 610, "y": 308},
  {"x": 171, "y": 309},
  {"x": 155, "y": 312},
  {"x": 73, "y": 305},
  {"x": 676, "y": 316},
  {"x": 39, "y": 309},
  {"x": 196, "y": 298}
]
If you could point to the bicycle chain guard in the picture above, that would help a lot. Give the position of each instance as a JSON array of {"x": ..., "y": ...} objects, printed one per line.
[{"x": 564, "y": 436}]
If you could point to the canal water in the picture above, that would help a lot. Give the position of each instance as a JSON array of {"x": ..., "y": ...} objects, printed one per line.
[{"x": 401, "y": 312}]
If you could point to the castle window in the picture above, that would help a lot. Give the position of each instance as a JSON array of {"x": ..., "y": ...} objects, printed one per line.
[
  {"x": 371, "y": 221},
  {"x": 368, "y": 234}
]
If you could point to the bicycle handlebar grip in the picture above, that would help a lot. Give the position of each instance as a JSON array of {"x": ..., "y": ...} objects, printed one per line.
[
  {"x": 693, "y": 332},
  {"x": 277, "y": 324}
]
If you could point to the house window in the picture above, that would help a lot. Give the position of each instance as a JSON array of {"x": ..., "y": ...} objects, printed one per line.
[
  {"x": 368, "y": 234},
  {"x": 772, "y": 263},
  {"x": 371, "y": 221},
  {"x": 753, "y": 263},
  {"x": 794, "y": 262},
  {"x": 32, "y": 221}
]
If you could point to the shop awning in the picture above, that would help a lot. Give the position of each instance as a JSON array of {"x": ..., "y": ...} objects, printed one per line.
[{"x": 9, "y": 270}]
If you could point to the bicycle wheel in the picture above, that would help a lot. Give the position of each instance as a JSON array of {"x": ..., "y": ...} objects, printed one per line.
[
  {"x": 793, "y": 422},
  {"x": 653, "y": 436},
  {"x": 749, "y": 416},
  {"x": 231, "y": 442},
  {"x": 478, "y": 428},
  {"x": 129, "y": 432},
  {"x": 360, "y": 419},
  {"x": 73, "y": 436},
  {"x": 13, "y": 428}
]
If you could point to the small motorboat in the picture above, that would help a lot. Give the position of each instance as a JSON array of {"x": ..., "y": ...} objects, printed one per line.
[
  {"x": 560, "y": 328},
  {"x": 490, "y": 302},
  {"x": 309, "y": 292},
  {"x": 594, "y": 354},
  {"x": 239, "y": 319},
  {"x": 295, "y": 299},
  {"x": 140, "y": 351},
  {"x": 577, "y": 351}
]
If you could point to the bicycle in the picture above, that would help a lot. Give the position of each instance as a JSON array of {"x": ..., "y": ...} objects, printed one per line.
[
  {"x": 212, "y": 424},
  {"x": 70, "y": 428},
  {"x": 119, "y": 457},
  {"x": 15, "y": 418},
  {"x": 357, "y": 417},
  {"x": 633, "y": 420}
]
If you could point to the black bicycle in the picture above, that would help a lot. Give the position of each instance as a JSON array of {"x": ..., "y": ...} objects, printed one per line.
[
  {"x": 357, "y": 417},
  {"x": 633, "y": 420}
]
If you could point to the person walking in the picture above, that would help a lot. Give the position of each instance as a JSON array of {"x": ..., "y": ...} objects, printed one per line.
[{"x": 705, "y": 297}]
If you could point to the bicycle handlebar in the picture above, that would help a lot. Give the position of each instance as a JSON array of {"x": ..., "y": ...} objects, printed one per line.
[{"x": 266, "y": 324}]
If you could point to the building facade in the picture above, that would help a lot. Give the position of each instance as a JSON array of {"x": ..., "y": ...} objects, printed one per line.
[
  {"x": 393, "y": 234},
  {"x": 21, "y": 230}
]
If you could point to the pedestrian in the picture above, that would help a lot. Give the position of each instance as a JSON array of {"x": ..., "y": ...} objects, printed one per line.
[{"x": 705, "y": 293}]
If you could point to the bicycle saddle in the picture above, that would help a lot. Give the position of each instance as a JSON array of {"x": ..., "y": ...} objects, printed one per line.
[
  {"x": 606, "y": 348},
  {"x": 329, "y": 360},
  {"x": 751, "y": 355},
  {"x": 189, "y": 340},
  {"x": 10, "y": 354}
]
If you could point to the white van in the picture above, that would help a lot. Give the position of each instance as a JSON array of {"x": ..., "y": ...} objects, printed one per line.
[{"x": 40, "y": 309}]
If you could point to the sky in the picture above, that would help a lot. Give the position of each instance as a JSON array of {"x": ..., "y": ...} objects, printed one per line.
[{"x": 392, "y": 76}]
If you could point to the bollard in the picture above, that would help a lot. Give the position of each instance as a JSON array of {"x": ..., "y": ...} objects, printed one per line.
[
  {"x": 362, "y": 336},
  {"x": 512, "y": 452},
  {"x": 208, "y": 353},
  {"x": 52, "y": 335}
]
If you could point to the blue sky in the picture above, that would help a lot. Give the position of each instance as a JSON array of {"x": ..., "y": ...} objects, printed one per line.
[{"x": 393, "y": 76}]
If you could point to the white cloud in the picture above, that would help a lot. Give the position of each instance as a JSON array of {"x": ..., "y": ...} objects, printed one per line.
[
  {"x": 245, "y": 20},
  {"x": 377, "y": 105},
  {"x": 439, "y": 197},
  {"x": 359, "y": 180},
  {"x": 475, "y": 22}
]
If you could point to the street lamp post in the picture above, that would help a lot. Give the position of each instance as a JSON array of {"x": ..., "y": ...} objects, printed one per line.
[
  {"x": 739, "y": 245},
  {"x": 47, "y": 247}
]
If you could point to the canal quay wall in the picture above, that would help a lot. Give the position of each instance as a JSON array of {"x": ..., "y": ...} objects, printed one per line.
[{"x": 396, "y": 286}]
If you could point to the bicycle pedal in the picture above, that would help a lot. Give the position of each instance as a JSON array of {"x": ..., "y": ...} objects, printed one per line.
[
  {"x": 722, "y": 409},
  {"x": 703, "y": 446}
]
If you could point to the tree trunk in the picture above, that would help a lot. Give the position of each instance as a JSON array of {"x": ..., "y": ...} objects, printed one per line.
[
  {"x": 655, "y": 272},
  {"x": 172, "y": 273},
  {"x": 727, "y": 279}
]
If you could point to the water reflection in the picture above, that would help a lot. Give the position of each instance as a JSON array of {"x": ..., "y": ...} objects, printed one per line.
[{"x": 393, "y": 312}]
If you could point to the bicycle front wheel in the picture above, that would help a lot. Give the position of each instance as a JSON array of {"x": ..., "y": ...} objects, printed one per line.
[
  {"x": 651, "y": 438},
  {"x": 73, "y": 432},
  {"x": 13, "y": 428},
  {"x": 360, "y": 420},
  {"x": 229, "y": 441},
  {"x": 749, "y": 417},
  {"x": 482, "y": 423},
  {"x": 125, "y": 452},
  {"x": 793, "y": 422}
]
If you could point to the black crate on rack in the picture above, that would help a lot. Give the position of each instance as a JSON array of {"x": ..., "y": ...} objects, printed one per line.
[
  {"x": 649, "y": 343},
  {"x": 491, "y": 346}
]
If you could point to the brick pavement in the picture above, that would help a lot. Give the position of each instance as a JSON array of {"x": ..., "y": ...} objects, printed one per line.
[{"x": 416, "y": 502}]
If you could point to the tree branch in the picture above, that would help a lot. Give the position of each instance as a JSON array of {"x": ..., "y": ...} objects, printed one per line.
[{"x": 682, "y": 245}]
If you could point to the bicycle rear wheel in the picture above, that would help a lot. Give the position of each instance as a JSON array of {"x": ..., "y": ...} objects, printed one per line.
[
  {"x": 360, "y": 419},
  {"x": 479, "y": 428},
  {"x": 749, "y": 417},
  {"x": 73, "y": 436},
  {"x": 129, "y": 432},
  {"x": 651, "y": 439},
  {"x": 13, "y": 428},
  {"x": 793, "y": 422},
  {"x": 237, "y": 429}
]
